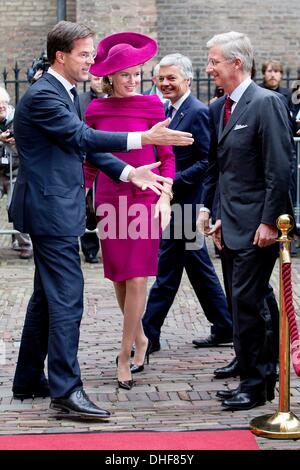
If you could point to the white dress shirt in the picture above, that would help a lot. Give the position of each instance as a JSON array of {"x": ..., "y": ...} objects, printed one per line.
[
  {"x": 235, "y": 96},
  {"x": 178, "y": 103},
  {"x": 238, "y": 92}
]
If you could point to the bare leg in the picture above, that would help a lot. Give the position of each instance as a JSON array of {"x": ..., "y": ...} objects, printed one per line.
[
  {"x": 120, "y": 290},
  {"x": 141, "y": 343},
  {"x": 134, "y": 305}
]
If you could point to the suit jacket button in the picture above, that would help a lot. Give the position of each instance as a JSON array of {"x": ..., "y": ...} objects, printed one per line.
[{"x": 82, "y": 186}]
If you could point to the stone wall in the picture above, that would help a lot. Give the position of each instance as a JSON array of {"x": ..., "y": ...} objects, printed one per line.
[
  {"x": 23, "y": 28},
  {"x": 272, "y": 25},
  {"x": 112, "y": 16},
  {"x": 184, "y": 26}
]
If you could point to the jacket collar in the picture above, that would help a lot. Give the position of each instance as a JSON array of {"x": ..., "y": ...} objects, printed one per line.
[
  {"x": 59, "y": 86},
  {"x": 238, "y": 111},
  {"x": 181, "y": 112}
]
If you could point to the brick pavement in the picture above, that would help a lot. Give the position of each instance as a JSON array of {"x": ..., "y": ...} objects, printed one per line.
[{"x": 175, "y": 392}]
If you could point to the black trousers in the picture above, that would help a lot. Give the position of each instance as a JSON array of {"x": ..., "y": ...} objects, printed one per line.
[
  {"x": 53, "y": 318},
  {"x": 174, "y": 257},
  {"x": 89, "y": 244},
  {"x": 249, "y": 273}
]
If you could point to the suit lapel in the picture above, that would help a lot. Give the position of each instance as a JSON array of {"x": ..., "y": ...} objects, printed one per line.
[
  {"x": 220, "y": 119},
  {"x": 181, "y": 113},
  {"x": 237, "y": 113},
  {"x": 61, "y": 89}
]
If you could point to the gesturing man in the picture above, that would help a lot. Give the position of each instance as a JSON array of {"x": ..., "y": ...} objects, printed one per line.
[{"x": 49, "y": 204}]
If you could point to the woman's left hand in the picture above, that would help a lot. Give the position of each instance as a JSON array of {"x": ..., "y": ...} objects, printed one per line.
[{"x": 163, "y": 209}]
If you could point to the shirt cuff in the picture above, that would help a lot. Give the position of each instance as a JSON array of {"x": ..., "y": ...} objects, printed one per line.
[
  {"x": 204, "y": 209},
  {"x": 124, "y": 175},
  {"x": 134, "y": 141}
]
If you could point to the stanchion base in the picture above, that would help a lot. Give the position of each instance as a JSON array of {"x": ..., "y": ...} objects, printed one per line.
[{"x": 280, "y": 425}]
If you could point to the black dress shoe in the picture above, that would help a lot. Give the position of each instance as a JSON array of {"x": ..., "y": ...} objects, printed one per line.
[
  {"x": 244, "y": 401},
  {"x": 42, "y": 391},
  {"x": 78, "y": 404},
  {"x": 154, "y": 346},
  {"x": 231, "y": 370},
  {"x": 212, "y": 340},
  {"x": 226, "y": 394}
]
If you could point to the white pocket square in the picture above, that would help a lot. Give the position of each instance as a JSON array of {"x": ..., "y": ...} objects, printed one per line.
[{"x": 240, "y": 126}]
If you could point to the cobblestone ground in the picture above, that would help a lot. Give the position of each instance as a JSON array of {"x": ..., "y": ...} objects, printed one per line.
[{"x": 175, "y": 392}]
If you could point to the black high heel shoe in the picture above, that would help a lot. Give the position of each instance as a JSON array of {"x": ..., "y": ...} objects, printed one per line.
[
  {"x": 135, "y": 368},
  {"x": 125, "y": 384}
]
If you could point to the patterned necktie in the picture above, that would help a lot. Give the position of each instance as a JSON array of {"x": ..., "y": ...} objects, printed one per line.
[
  {"x": 76, "y": 100},
  {"x": 227, "y": 110},
  {"x": 169, "y": 111}
]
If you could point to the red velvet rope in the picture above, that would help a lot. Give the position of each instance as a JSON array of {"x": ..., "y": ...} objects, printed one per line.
[{"x": 290, "y": 312}]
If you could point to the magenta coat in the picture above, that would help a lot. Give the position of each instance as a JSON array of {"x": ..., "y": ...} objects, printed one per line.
[{"x": 128, "y": 232}]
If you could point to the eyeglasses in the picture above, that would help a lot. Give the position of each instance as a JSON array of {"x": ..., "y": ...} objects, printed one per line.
[
  {"x": 87, "y": 55},
  {"x": 214, "y": 62}
]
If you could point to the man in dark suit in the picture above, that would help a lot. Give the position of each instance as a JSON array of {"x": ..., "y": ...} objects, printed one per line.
[
  {"x": 179, "y": 253},
  {"x": 250, "y": 156},
  {"x": 49, "y": 204}
]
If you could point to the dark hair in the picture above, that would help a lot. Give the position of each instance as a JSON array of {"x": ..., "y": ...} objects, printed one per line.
[
  {"x": 275, "y": 64},
  {"x": 253, "y": 70},
  {"x": 106, "y": 86},
  {"x": 62, "y": 37}
]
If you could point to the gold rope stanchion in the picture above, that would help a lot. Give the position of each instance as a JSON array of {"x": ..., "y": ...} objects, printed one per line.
[{"x": 283, "y": 424}]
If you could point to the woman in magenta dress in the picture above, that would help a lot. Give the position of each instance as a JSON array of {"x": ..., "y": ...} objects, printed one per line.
[{"x": 130, "y": 220}]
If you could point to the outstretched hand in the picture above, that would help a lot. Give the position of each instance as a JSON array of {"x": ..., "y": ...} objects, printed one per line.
[
  {"x": 144, "y": 178},
  {"x": 159, "y": 134}
]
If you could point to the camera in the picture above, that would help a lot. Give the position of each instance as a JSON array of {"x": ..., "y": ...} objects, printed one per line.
[{"x": 41, "y": 63}]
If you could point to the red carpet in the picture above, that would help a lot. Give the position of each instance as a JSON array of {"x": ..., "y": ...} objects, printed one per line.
[{"x": 202, "y": 440}]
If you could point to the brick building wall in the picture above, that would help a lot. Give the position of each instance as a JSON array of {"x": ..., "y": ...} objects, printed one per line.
[
  {"x": 272, "y": 25},
  {"x": 184, "y": 26},
  {"x": 112, "y": 16},
  {"x": 23, "y": 28}
]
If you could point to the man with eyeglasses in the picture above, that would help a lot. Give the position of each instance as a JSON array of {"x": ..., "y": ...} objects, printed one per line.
[
  {"x": 49, "y": 204},
  {"x": 250, "y": 154}
]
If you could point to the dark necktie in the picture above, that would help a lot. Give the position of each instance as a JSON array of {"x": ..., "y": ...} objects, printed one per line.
[
  {"x": 76, "y": 101},
  {"x": 227, "y": 110},
  {"x": 169, "y": 111}
]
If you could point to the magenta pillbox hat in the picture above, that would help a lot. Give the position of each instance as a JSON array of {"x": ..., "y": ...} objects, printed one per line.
[{"x": 122, "y": 50}]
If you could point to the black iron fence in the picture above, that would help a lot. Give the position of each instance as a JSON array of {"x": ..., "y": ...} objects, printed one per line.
[{"x": 203, "y": 86}]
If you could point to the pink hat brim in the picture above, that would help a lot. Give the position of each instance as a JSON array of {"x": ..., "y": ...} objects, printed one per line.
[{"x": 122, "y": 50}]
